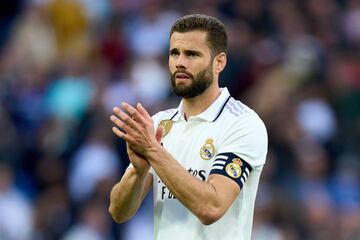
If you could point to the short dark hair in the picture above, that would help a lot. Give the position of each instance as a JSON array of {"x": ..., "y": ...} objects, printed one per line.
[{"x": 216, "y": 33}]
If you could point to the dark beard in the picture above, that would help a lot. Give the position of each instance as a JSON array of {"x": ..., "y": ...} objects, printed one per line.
[{"x": 199, "y": 83}]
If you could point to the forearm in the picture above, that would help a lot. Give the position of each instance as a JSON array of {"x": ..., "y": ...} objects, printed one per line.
[
  {"x": 207, "y": 200},
  {"x": 196, "y": 195},
  {"x": 127, "y": 195}
]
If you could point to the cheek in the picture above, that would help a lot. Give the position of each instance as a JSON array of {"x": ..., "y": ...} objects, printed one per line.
[
  {"x": 201, "y": 68},
  {"x": 171, "y": 66}
]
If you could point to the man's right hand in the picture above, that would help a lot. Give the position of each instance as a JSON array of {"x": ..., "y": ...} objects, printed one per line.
[
  {"x": 138, "y": 161},
  {"x": 128, "y": 194},
  {"x": 140, "y": 164}
]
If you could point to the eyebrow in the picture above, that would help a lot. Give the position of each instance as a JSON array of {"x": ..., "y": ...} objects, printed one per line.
[
  {"x": 175, "y": 50},
  {"x": 193, "y": 52}
]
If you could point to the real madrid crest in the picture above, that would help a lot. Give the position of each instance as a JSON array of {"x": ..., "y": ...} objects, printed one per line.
[
  {"x": 233, "y": 169},
  {"x": 207, "y": 151},
  {"x": 166, "y": 124}
]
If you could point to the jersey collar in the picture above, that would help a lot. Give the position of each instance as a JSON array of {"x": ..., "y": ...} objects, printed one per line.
[{"x": 211, "y": 113}]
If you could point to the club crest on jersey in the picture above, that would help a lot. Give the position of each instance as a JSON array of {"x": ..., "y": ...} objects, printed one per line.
[
  {"x": 233, "y": 169},
  {"x": 207, "y": 151},
  {"x": 167, "y": 125}
]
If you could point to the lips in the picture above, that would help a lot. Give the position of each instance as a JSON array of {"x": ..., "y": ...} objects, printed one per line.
[{"x": 181, "y": 75}]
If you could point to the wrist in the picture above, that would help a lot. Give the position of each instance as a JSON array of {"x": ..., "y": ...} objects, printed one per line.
[
  {"x": 153, "y": 152},
  {"x": 140, "y": 172}
]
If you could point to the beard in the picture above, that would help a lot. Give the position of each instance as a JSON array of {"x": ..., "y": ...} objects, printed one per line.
[{"x": 199, "y": 83}]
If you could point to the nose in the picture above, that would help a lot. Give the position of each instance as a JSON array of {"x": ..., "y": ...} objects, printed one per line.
[{"x": 181, "y": 61}]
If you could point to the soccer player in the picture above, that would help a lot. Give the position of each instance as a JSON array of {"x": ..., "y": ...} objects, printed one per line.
[{"x": 203, "y": 158}]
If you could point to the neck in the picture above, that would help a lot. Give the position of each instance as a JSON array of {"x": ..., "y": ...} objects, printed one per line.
[{"x": 198, "y": 104}]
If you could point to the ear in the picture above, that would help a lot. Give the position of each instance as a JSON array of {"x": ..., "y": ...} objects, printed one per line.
[{"x": 219, "y": 62}]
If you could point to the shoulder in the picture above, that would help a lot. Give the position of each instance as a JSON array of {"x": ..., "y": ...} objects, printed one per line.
[
  {"x": 235, "y": 109},
  {"x": 237, "y": 115},
  {"x": 243, "y": 133}
]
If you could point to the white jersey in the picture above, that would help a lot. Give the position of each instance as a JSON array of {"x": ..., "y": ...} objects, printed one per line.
[{"x": 204, "y": 144}]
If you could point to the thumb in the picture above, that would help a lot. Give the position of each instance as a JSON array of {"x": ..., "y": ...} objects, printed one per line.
[{"x": 159, "y": 133}]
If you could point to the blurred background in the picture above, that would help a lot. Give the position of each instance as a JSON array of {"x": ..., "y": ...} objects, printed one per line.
[{"x": 65, "y": 63}]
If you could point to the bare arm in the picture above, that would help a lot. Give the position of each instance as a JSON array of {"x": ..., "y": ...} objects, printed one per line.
[
  {"x": 128, "y": 194},
  {"x": 207, "y": 200}
]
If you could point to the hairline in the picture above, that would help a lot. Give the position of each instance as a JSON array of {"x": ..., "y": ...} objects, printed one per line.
[{"x": 208, "y": 43}]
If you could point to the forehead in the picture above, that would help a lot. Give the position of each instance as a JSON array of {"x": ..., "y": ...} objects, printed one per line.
[{"x": 193, "y": 40}]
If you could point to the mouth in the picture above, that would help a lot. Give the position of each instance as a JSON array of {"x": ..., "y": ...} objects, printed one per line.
[{"x": 182, "y": 76}]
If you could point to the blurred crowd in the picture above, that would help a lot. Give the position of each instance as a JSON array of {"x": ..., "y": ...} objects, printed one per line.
[{"x": 64, "y": 64}]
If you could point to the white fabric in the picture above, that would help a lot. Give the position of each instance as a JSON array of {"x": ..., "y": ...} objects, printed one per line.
[{"x": 237, "y": 129}]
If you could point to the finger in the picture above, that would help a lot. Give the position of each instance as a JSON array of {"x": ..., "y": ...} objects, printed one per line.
[
  {"x": 143, "y": 111},
  {"x": 133, "y": 112},
  {"x": 125, "y": 118},
  {"x": 118, "y": 132},
  {"x": 122, "y": 125},
  {"x": 123, "y": 135}
]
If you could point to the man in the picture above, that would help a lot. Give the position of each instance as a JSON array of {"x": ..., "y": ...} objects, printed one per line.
[{"x": 205, "y": 158}]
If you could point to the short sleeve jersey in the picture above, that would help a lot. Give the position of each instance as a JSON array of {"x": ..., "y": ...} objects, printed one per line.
[{"x": 228, "y": 138}]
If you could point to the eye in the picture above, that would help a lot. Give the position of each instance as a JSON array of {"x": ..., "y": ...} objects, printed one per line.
[
  {"x": 191, "y": 54},
  {"x": 174, "y": 53}
]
